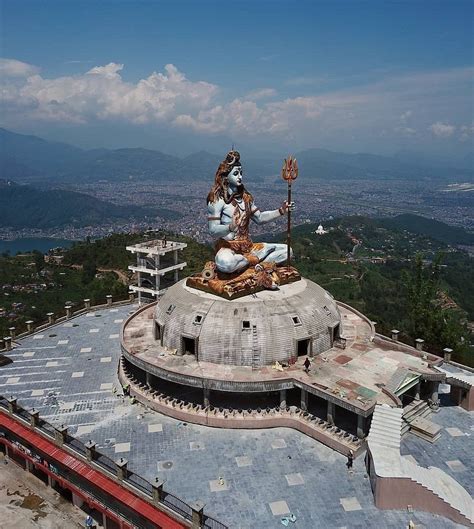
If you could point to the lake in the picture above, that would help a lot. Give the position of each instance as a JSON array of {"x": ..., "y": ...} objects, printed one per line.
[{"x": 28, "y": 245}]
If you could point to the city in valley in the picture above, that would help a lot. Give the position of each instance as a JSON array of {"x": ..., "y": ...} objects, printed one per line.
[{"x": 317, "y": 202}]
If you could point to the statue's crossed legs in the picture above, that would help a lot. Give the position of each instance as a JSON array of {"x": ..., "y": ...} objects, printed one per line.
[{"x": 229, "y": 261}]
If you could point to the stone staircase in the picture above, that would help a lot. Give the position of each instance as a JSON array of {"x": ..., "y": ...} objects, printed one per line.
[
  {"x": 443, "y": 486},
  {"x": 416, "y": 409},
  {"x": 385, "y": 427},
  {"x": 428, "y": 489},
  {"x": 463, "y": 376}
]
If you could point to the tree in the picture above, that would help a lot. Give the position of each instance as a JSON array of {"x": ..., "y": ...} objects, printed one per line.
[
  {"x": 39, "y": 260},
  {"x": 427, "y": 318},
  {"x": 89, "y": 270}
]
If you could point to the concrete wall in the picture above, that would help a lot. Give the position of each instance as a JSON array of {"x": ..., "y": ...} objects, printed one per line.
[{"x": 399, "y": 493}]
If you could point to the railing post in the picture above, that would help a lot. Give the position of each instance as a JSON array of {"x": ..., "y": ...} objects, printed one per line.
[
  {"x": 395, "y": 333},
  {"x": 8, "y": 343},
  {"x": 447, "y": 354},
  {"x": 198, "y": 514},
  {"x": 60, "y": 434},
  {"x": 50, "y": 317},
  {"x": 68, "y": 311},
  {"x": 87, "y": 303},
  {"x": 121, "y": 468},
  {"x": 12, "y": 332},
  {"x": 34, "y": 418},
  {"x": 29, "y": 325},
  {"x": 109, "y": 300},
  {"x": 90, "y": 450},
  {"x": 12, "y": 404},
  {"x": 419, "y": 344},
  {"x": 157, "y": 488}
]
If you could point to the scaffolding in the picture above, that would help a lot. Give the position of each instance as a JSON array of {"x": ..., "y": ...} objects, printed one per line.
[{"x": 158, "y": 266}]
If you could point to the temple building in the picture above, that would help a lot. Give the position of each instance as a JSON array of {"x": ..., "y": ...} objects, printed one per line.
[{"x": 246, "y": 344}]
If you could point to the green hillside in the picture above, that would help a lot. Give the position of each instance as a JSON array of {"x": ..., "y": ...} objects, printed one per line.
[
  {"x": 398, "y": 279},
  {"x": 24, "y": 206},
  {"x": 431, "y": 228}
]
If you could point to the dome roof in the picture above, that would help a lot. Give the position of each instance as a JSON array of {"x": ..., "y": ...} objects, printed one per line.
[{"x": 299, "y": 318}]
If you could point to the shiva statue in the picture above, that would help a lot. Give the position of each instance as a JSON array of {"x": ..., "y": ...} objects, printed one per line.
[{"x": 230, "y": 209}]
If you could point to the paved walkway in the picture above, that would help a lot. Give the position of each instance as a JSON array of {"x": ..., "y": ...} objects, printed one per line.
[
  {"x": 67, "y": 372},
  {"x": 27, "y": 503}
]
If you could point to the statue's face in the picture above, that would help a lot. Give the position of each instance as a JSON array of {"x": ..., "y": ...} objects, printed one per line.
[{"x": 235, "y": 177}]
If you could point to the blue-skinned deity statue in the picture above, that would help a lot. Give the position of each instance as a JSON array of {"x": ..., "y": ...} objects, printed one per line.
[{"x": 230, "y": 209}]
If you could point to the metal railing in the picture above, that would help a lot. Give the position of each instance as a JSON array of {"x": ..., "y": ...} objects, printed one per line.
[
  {"x": 177, "y": 505},
  {"x": 212, "y": 523},
  {"x": 172, "y": 502}
]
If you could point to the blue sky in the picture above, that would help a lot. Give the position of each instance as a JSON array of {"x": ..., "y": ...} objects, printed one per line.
[{"x": 375, "y": 76}]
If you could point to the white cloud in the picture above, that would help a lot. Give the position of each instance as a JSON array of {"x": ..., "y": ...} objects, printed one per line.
[
  {"x": 14, "y": 68},
  {"x": 101, "y": 93},
  {"x": 467, "y": 132},
  {"x": 442, "y": 130},
  {"x": 405, "y": 131},
  {"x": 405, "y": 116},
  {"x": 375, "y": 110},
  {"x": 262, "y": 93}
]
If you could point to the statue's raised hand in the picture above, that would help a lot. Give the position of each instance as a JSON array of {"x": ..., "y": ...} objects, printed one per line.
[{"x": 287, "y": 206}]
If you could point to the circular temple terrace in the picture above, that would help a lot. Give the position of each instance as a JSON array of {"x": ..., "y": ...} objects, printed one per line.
[{"x": 239, "y": 363}]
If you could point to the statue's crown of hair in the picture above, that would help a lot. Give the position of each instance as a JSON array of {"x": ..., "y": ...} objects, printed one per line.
[{"x": 232, "y": 159}]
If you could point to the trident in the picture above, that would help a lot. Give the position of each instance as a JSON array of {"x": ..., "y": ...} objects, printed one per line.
[{"x": 289, "y": 172}]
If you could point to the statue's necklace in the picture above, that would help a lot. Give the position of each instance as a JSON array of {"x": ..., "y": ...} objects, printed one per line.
[{"x": 240, "y": 204}]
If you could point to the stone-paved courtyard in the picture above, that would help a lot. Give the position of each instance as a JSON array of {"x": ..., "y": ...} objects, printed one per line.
[{"x": 68, "y": 373}]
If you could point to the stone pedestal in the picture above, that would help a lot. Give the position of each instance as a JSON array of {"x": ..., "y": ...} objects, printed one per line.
[
  {"x": 60, "y": 435},
  {"x": 198, "y": 514},
  {"x": 12, "y": 405},
  {"x": 447, "y": 354},
  {"x": 109, "y": 300},
  {"x": 395, "y": 334},
  {"x": 34, "y": 418},
  {"x": 282, "y": 399},
  {"x": 121, "y": 468},
  {"x": 68, "y": 311},
  {"x": 50, "y": 317},
  {"x": 29, "y": 325},
  {"x": 419, "y": 344},
  {"x": 90, "y": 450},
  {"x": 157, "y": 488},
  {"x": 87, "y": 303}
]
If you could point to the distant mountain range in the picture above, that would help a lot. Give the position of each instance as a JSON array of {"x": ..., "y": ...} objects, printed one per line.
[
  {"x": 30, "y": 158},
  {"x": 24, "y": 206}
]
